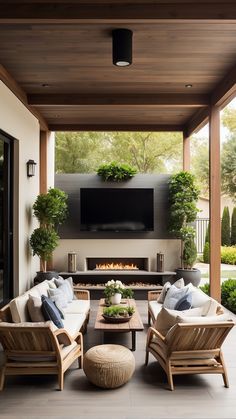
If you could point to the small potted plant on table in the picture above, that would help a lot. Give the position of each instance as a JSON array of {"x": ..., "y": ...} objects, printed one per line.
[{"x": 115, "y": 290}]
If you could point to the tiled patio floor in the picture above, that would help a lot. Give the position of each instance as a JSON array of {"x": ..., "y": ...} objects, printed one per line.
[{"x": 144, "y": 397}]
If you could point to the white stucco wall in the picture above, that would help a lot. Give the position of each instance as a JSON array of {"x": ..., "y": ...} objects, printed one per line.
[
  {"x": 117, "y": 248},
  {"x": 18, "y": 122}
]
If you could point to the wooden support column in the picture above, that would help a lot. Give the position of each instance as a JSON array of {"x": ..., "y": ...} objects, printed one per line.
[
  {"x": 215, "y": 191},
  {"x": 186, "y": 152},
  {"x": 43, "y": 187}
]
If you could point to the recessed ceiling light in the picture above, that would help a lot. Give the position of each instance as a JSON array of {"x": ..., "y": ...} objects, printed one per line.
[
  {"x": 188, "y": 86},
  {"x": 45, "y": 85}
]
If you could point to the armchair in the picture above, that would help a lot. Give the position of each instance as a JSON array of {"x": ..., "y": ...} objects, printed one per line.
[
  {"x": 34, "y": 348},
  {"x": 190, "y": 348}
]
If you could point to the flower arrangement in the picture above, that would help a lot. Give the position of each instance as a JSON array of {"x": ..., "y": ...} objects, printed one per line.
[{"x": 113, "y": 287}]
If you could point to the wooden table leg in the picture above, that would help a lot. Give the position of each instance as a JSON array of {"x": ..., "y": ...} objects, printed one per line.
[{"x": 133, "y": 340}]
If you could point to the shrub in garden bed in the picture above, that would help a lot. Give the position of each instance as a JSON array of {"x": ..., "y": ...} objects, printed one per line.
[{"x": 228, "y": 255}]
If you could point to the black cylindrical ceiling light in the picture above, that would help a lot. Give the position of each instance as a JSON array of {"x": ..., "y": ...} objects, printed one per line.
[{"x": 122, "y": 47}]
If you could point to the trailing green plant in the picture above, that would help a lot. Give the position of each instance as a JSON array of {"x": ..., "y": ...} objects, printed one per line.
[
  {"x": 50, "y": 209},
  {"x": 127, "y": 293},
  {"x": 228, "y": 255},
  {"x": 116, "y": 172},
  {"x": 118, "y": 311},
  {"x": 205, "y": 288},
  {"x": 225, "y": 228},
  {"x": 226, "y": 288},
  {"x": 183, "y": 196},
  {"x": 233, "y": 227}
]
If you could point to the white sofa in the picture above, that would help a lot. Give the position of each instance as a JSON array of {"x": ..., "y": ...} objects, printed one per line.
[
  {"x": 76, "y": 314},
  {"x": 202, "y": 307}
]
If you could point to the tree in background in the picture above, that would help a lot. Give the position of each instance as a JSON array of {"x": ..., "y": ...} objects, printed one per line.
[
  {"x": 228, "y": 167},
  {"x": 200, "y": 163},
  {"x": 206, "y": 250},
  {"x": 233, "y": 227},
  {"x": 225, "y": 228},
  {"x": 148, "y": 152}
]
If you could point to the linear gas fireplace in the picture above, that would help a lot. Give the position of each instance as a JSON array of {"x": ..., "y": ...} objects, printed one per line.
[{"x": 114, "y": 264}]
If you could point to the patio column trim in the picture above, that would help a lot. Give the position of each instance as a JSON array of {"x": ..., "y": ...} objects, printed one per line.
[
  {"x": 186, "y": 152},
  {"x": 43, "y": 184},
  {"x": 214, "y": 202}
]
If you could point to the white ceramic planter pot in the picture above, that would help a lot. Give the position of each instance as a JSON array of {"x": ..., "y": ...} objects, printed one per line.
[{"x": 116, "y": 298}]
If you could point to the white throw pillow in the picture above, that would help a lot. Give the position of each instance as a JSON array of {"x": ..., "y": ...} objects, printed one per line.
[
  {"x": 69, "y": 284},
  {"x": 164, "y": 290},
  {"x": 204, "y": 319},
  {"x": 59, "y": 297},
  {"x": 199, "y": 298}
]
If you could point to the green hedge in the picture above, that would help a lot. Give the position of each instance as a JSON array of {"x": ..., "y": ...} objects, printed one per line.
[
  {"x": 228, "y": 255},
  {"x": 228, "y": 293}
]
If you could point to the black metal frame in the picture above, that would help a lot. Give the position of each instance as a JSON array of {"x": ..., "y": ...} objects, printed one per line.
[{"x": 7, "y": 218}]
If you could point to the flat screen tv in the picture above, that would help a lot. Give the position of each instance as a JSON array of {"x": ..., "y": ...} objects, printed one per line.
[{"x": 116, "y": 209}]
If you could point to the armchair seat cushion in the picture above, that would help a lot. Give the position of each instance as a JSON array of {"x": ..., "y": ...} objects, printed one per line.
[
  {"x": 77, "y": 307},
  {"x": 73, "y": 323}
]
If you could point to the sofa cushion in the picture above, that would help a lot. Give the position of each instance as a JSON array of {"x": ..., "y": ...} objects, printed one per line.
[
  {"x": 34, "y": 292},
  {"x": 173, "y": 295},
  {"x": 164, "y": 290},
  {"x": 73, "y": 323},
  {"x": 203, "y": 319},
  {"x": 50, "y": 312},
  {"x": 78, "y": 307},
  {"x": 42, "y": 288},
  {"x": 19, "y": 309},
  {"x": 168, "y": 318},
  {"x": 51, "y": 283},
  {"x": 155, "y": 307},
  {"x": 34, "y": 305},
  {"x": 199, "y": 297}
]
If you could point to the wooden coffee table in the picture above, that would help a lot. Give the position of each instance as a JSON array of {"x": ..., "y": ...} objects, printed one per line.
[{"x": 134, "y": 325}]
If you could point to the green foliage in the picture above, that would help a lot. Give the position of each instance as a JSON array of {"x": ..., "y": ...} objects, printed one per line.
[
  {"x": 233, "y": 227},
  {"x": 116, "y": 172},
  {"x": 207, "y": 236},
  {"x": 206, "y": 253},
  {"x": 118, "y": 311},
  {"x": 205, "y": 288},
  {"x": 149, "y": 152},
  {"x": 189, "y": 253},
  {"x": 127, "y": 293},
  {"x": 225, "y": 228},
  {"x": 51, "y": 208},
  {"x": 200, "y": 163},
  {"x": 231, "y": 302},
  {"x": 183, "y": 196},
  {"x": 228, "y": 167},
  {"x": 43, "y": 241},
  {"x": 228, "y": 255},
  {"x": 226, "y": 288}
]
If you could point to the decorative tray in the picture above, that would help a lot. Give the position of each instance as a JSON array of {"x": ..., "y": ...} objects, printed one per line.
[{"x": 110, "y": 319}]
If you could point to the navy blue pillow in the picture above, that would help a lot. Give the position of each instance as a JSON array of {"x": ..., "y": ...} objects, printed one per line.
[
  {"x": 184, "y": 303},
  {"x": 50, "y": 312}
]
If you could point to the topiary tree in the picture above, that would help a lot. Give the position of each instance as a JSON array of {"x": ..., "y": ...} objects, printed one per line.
[
  {"x": 225, "y": 227},
  {"x": 50, "y": 209},
  {"x": 233, "y": 227},
  {"x": 183, "y": 196}
]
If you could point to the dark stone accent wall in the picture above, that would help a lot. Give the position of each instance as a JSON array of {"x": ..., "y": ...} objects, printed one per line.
[{"x": 71, "y": 184}]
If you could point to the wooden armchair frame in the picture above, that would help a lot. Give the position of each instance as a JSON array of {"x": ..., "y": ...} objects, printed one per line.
[
  {"x": 36, "y": 350},
  {"x": 190, "y": 348}
]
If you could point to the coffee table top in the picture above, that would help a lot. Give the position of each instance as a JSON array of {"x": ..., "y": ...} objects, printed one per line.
[{"x": 134, "y": 324}]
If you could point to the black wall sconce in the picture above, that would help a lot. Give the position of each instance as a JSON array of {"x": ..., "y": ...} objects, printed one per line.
[
  {"x": 30, "y": 168},
  {"x": 122, "y": 47}
]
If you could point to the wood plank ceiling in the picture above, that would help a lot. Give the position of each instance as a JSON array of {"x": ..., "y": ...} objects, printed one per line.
[{"x": 60, "y": 54}]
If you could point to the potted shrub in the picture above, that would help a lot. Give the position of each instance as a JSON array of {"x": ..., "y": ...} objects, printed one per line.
[
  {"x": 183, "y": 196},
  {"x": 50, "y": 209}
]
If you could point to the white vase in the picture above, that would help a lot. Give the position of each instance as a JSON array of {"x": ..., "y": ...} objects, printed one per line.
[{"x": 116, "y": 298}]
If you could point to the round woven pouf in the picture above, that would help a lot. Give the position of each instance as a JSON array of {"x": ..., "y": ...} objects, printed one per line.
[{"x": 109, "y": 366}]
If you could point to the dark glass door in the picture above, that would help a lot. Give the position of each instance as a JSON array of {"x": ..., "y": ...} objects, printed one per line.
[{"x": 6, "y": 218}]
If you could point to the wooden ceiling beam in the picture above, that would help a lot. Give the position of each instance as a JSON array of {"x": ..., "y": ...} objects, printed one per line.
[
  {"x": 160, "y": 100},
  {"x": 10, "y": 82},
  {"x": 116, "y": 127},
  {"x": 122, "y": 12},
  {"x": 225, "y": 91},
  {"x": 198, "y": 120}
]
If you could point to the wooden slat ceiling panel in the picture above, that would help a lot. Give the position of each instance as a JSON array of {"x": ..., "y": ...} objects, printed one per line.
[{"x": 68, "y": 58}]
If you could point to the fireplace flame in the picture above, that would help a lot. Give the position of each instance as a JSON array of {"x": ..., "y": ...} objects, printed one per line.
[{"x": 116, "y": 266}]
